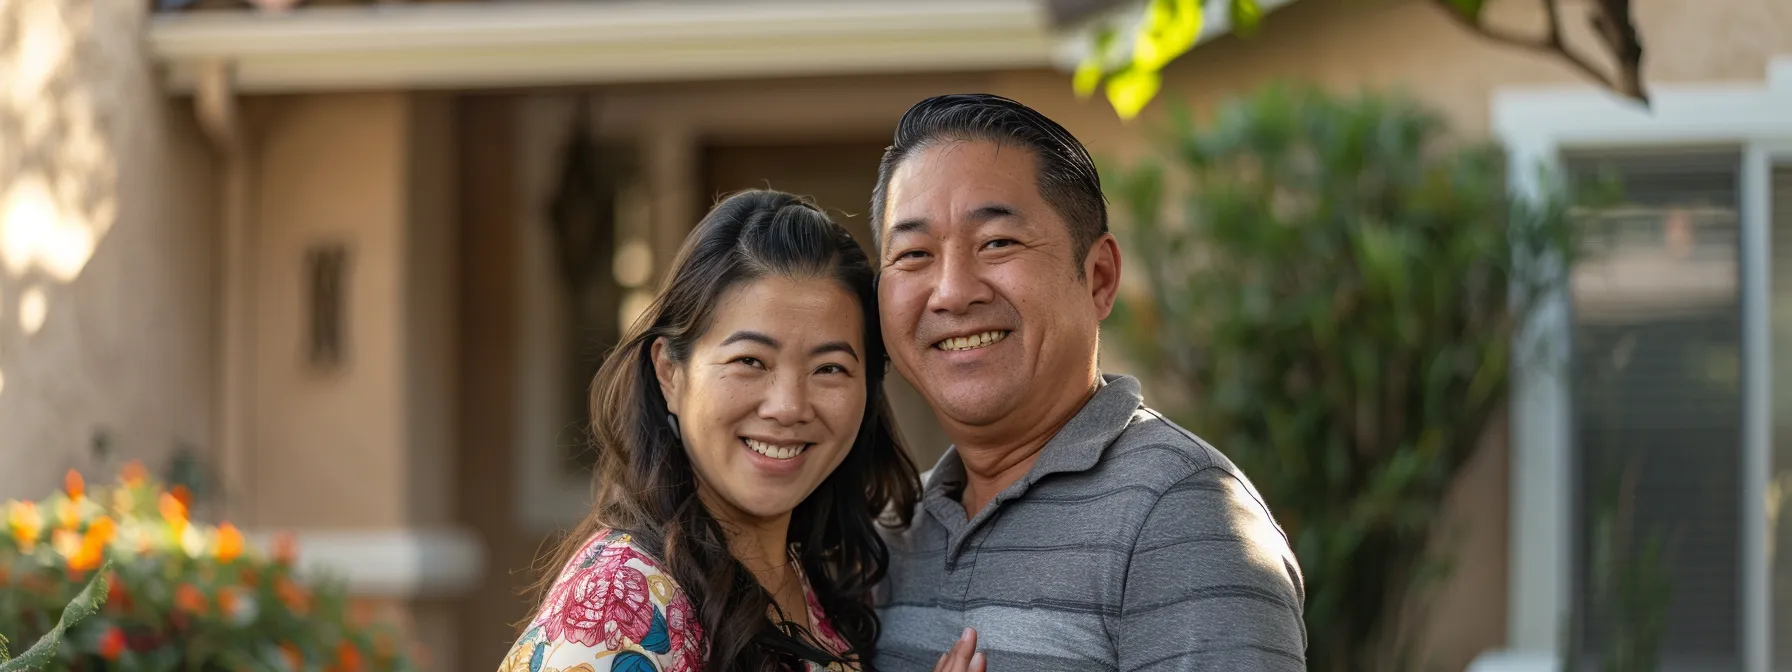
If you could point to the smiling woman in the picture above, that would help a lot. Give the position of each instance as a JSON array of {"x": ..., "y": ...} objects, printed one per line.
[{"x": 744, "y": 447}]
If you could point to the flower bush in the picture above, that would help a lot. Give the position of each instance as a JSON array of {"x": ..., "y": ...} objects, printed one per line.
[{"x": 178, "y": 594}]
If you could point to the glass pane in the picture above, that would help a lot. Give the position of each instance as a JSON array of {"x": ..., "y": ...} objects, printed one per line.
[
  {"x": 1657, "y": 411},
  {"x": 1779, "y": 490}
]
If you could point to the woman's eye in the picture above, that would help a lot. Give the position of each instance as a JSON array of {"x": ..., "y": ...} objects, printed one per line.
[
  {"x": 831, "y": 368},
  {"x": 750, "y": 361}
]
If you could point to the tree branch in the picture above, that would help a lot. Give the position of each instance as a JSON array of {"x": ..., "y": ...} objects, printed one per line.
[{"x": 1612, "y": 23}]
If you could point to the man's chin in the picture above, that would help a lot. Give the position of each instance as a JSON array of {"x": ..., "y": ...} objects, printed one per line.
[{"x": 973, "y": 406}]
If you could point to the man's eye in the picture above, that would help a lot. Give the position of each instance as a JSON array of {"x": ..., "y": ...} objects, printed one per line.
[
  {"x": 831, "y": 368},
  {"x": 912, "y": 254},
  {"x": 999, "y": 243}
]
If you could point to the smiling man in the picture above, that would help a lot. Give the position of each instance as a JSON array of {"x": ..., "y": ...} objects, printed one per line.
[{"x": 1073, "y": 527}]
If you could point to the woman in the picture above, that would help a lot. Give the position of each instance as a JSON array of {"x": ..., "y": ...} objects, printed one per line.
[{"x": 745, "y": 452}]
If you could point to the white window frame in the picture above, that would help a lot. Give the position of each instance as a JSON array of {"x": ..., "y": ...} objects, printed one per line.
[{"x": 1536, "y": 124}]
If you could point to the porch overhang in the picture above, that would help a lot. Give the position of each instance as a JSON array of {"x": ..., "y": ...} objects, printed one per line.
[{"x": 542, "y": 43}]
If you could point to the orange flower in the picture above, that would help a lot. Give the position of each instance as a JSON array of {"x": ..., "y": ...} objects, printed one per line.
[
  {"x": 86, "y": 558},
  {"x": 112, "y": 643},
  {"x": 74, "y": 484},
  {"x": 248, "y": 577},
  {"x": 182, "y": 495},
  {"x": 174, "y": 512},
  {"x": 230, "y": 543},
  {"x": 348, "y": 658},
  {"x": 133, "y": 474},
  {"x": 292, "y": 595},
  {"x": 187, "y": 598},
  {"x": 294, "y": 660},
  {"x": 26, "y": 524},
  {"x": 92, "y": 548},
  {"x": 102, "y": 528},
  {"x": 286, "y": 548}
]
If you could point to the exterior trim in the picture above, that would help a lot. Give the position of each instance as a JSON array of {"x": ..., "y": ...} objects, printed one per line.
[
  {"x": 1535, "y": 124},
  {"x": 401, "y": 563},
  {"x": 490, "y": 44}
]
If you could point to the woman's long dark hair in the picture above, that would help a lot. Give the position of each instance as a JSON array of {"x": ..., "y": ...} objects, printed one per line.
[{"x": 647, "y": 487}]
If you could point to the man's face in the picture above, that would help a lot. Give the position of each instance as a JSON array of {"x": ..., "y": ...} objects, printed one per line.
[{"x": 983, "y": 307}]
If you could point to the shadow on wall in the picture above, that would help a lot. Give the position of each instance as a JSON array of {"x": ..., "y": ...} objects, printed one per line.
[{"x": 58, "y": 169}]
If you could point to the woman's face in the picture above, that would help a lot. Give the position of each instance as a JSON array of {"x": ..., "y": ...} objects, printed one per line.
[{"x": 772, "y": 395}]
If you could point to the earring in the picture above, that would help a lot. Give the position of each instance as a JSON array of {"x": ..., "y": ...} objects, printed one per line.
[{"x": 672, "y": 420}]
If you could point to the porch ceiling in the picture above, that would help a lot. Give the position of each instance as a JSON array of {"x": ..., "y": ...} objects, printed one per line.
[{"x": 542, "y": 43}]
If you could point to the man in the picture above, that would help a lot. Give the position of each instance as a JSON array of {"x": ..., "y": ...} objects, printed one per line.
[{"x": 1070, "y": 525}]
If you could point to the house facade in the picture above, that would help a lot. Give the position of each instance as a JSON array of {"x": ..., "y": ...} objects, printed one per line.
[{"x": 359, "y": 258}]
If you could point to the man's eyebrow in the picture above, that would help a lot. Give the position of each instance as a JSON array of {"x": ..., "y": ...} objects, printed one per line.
[
  {"x": 991, "y": 211},
  {"x": 911, "y": 225}
]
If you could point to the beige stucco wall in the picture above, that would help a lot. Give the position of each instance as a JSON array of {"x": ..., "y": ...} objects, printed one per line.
[
  {"x": 330, "y": 170},
  {"x": 106, "y": 214}
]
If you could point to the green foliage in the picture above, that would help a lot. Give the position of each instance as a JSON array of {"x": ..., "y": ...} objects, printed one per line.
[
  {"x": 42, "y": 654},
  {"x": 1632, "y": 586},
  {"x": 1335, "y": 285}
]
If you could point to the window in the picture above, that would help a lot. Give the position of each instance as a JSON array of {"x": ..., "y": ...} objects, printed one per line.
[
  {"x": 1779, "y": 489},
  {"x": 1657, "y": 406}
]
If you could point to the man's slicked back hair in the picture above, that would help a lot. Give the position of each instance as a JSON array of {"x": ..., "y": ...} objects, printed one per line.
[{"x": 1066, "y": 174}]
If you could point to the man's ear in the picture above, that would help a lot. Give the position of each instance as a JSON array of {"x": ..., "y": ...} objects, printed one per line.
[
  {"x": 1101, "y": 268},
  {"x": 668, "y": 373}
]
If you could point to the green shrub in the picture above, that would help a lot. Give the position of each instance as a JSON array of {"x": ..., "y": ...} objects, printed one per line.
[{"x": 1334, "y": 287}]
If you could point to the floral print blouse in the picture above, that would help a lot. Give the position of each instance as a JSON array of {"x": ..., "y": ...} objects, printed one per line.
[{"x": 614, "y": 610}]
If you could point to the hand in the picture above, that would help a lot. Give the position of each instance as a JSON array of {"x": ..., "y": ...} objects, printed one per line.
[{"x": 963, "y": 656}]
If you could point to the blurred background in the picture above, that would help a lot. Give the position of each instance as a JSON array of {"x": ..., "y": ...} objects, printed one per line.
[{"x": 343, "y": 269}]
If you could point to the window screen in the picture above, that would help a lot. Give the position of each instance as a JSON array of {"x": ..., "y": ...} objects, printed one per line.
[{"x": 1657, "y": 395}]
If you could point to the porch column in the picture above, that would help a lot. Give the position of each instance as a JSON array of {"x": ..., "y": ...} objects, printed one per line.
[
  {"x": 353, "y": 406},
  {"x": 671, "y": 156}
]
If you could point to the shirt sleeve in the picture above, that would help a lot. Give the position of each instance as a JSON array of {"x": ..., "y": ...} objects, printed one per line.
[
  {"x": 612, "y": 609},
  {"x": 1211, "y": 585}
]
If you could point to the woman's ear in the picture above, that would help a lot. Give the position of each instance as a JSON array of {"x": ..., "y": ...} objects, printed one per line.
[{"x": 669, "y": 374}]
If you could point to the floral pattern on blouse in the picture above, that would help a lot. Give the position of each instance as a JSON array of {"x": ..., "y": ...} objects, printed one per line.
[{"x": 613, "y": 609}]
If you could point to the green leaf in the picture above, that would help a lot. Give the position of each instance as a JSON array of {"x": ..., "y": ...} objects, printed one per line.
[
  {"x": 1470, "y": 9},
  {"x": 85, "y": 604},
  {"x": 1130, "y": 90},
  {"x": 1087, "y": 78},
  {"x": 1169, "y": 30},
  {"x": 1095, "y": 66},
  {"x": 1247, "y": 15}
]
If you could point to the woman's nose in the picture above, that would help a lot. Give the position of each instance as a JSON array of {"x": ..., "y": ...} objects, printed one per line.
[{"x": 788, "y": 401}]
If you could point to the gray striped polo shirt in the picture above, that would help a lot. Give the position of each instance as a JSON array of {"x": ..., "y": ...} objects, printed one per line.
[{"x": 1130, "y": 545}]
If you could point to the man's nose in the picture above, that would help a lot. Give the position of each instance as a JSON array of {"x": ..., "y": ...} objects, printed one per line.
[{"x": 960, "y": 285}]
